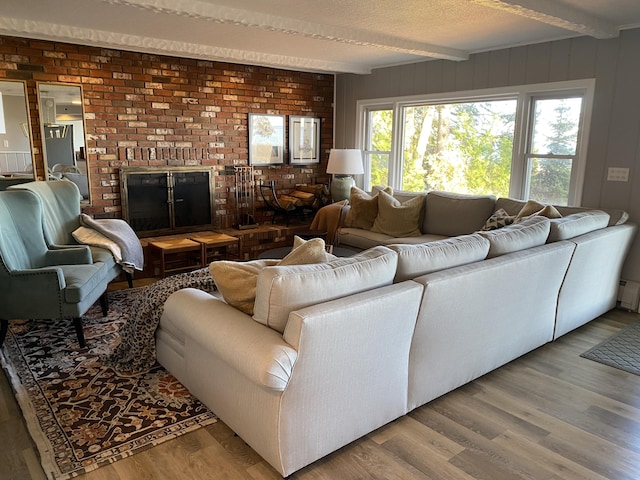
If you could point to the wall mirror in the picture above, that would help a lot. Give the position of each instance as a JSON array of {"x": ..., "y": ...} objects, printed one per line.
[
  {"x": 63, "y": 139},
  {"x": 16, "y": 159}
]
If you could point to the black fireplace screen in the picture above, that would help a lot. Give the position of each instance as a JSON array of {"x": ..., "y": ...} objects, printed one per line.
[{"x": 164, "y": 200}]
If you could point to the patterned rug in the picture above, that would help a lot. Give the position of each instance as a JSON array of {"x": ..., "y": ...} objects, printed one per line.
[
  {"x": 81, "y": 414},
  {"x": 621, "y": 350}
]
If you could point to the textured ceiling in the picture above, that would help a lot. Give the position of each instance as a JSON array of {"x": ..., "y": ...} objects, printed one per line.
[{"x": 353, "y": 36}]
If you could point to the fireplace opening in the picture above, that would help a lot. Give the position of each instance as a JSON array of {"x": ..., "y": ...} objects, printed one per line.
[{"x": 163, "y": 200}]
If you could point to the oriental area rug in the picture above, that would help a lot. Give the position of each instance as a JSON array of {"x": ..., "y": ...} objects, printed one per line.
[
  {"x": 82, "y": 414},
  {"x": 621, "y": 350}
]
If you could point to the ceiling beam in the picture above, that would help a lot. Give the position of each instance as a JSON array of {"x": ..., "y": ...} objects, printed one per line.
[
  {"x": 557, "y": 14},
  {"x": 137, "y": 43},
  {"x": 273, "y": 23}
]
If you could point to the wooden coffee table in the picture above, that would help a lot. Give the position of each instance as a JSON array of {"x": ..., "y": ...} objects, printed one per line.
[
  {"x": 177, "y": 255},
  {"x": 214, "y": 246}
]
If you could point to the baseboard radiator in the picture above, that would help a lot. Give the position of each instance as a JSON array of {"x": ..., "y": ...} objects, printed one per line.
[{"x": 628, "y": 295}]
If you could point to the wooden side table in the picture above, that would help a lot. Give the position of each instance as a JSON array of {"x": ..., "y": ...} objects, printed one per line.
[
  {"x": 177, "y": 255},
  {"x": 214, "y": 246}
]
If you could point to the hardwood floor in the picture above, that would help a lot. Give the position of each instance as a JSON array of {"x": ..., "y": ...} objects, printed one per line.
[{"x": 550, "y": 415}]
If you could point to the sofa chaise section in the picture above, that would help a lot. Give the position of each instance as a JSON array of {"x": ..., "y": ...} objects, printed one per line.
[{"x": 337, "y": 371}]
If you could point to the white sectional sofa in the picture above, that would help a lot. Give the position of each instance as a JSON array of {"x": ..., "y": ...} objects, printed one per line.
[{"x": 335, "y": 350}]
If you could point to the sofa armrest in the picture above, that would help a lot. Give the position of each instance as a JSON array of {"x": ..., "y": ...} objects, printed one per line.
[
  {"x": 72, "y": 255},
  {"x": 343, "y": 215},
  {"x": 257, "y": 352}
]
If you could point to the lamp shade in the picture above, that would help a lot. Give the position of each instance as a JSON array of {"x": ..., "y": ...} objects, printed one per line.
[{"x": 347, "y": 161}]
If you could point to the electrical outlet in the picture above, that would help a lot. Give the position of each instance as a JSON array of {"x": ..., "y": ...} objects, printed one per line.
[
  {"x": 6, "y": 143},
  {"x": 617, "y": 174}
]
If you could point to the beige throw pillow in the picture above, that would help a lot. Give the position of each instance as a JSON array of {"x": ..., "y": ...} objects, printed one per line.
[
  {"x": 237, "y": 281},
  {"x": 305, "y": 252},
  {"x": 398, "y": 219},
  {"x": 536, "y": 208},
  {"x": 363, "y": 208}
]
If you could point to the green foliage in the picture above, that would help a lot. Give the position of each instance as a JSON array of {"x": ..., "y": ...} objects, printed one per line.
[{"x": 463, "y": 147}]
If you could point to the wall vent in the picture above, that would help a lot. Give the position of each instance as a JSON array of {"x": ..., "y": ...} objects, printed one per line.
[{"x": 628, "y": 295}]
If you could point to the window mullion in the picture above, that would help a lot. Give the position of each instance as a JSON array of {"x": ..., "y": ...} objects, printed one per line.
[{"x": 395, "y": 160}]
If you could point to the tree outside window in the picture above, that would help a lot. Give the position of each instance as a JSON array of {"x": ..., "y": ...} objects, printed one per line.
[{"x": 505, "y": 142}]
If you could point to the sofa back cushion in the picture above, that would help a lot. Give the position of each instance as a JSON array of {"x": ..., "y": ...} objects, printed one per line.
[
  {"x": 453, "y": 214},
  {"x": 416, "y": 260},
  {"x": 530, "y": 232},
  {"x": 281, "y": 290},
  {"x": 398, "y": 219},
  {"x": 577, "y": 224}
]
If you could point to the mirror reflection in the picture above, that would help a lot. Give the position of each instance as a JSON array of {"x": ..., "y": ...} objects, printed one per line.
[
  {"x": 62, "y": 120},
  {"x": 15, "y": 131}
]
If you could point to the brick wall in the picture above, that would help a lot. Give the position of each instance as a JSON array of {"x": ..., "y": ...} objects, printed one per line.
[{"x": 140, "y": 100}]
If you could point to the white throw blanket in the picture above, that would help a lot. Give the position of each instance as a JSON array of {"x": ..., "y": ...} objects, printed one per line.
[{"x": 116, "y": 236}]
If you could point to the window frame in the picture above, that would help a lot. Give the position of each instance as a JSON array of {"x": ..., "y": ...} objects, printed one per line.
[{"x": 524, "y": 94}]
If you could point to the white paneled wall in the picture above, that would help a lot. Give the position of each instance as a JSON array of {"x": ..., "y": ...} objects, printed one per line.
[{"x": 14, "y": 162}]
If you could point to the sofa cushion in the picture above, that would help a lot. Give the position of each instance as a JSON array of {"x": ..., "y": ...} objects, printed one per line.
[
  {"x": 416, "y": 260},
  {"x": 511, "y": 205},
  {"x": 283, "y": 289},
  {"x": 616, "y": 215},
  {"x": 361, "y": 238},
  {"x": 453, "y": 214},
  {"x": 577, "y": 224},
  {"x": 398, "y": 219},
  {"x": 363, "y": 208},
  {"x": 529, "y": 233}
]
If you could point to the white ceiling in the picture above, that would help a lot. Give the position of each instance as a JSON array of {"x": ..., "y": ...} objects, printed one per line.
[{"x": 352, "y": 36}]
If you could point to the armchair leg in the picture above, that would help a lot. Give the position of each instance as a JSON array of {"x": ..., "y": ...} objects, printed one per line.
[
  {"x": 4, "y": 327},
  {"x": 129, "y": 279},
  {"x": 104, "y": 304},
  {"x": 77, "y": 323}
]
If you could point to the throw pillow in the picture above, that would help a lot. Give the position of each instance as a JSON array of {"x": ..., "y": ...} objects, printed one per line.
[
  {"x": 536, "y": 208},
  {"x": 236, "y": 281},
  {"x": 500, "y": 218},
  {"x": 305, "y": 252},
  {"x": 398, "y": 219},
  {"x": 363, "y": 208}
]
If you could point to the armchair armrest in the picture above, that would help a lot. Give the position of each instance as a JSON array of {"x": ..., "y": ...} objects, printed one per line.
[
  {"x": 19, "y": 287},
  {"x": 256, "y": 351},
  {"x": 72, "y": 255}
]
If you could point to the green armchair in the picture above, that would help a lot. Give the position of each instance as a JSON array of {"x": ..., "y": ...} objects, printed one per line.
[
  {"x": 38, "y": 281},
  {"x": 60, "y": 200}
]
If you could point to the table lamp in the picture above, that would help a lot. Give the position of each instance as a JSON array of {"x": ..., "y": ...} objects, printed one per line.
[{"x": 343, "y": 163}]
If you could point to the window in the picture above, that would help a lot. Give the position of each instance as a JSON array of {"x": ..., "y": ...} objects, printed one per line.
[
  {"x": 524, "y": 142},
  {"x": 378, "y": 145},
  {"x": 552, "y": 146}
]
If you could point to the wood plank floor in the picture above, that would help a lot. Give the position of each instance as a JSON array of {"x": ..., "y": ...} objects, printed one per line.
[{"x": 550, "y": 415}]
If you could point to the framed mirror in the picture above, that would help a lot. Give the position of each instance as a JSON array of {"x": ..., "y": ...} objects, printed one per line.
[
  {"x": 63, "y": 134},
  {"x": 16, "y": 159}
]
